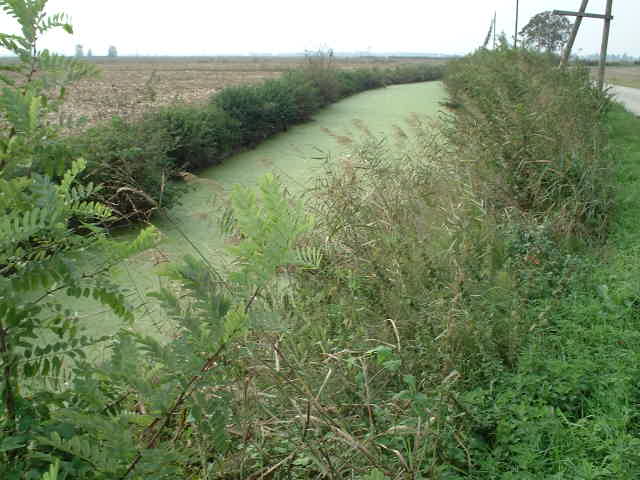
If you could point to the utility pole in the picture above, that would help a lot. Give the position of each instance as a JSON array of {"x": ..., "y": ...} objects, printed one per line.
[
  {"x": 488, "y": 37},
  {"x": 607, "y": 17},
  {"x": 574, "y": 33},
  {"x": 605, "y": 44},
  {"x": 515, "y": 37},
  {"x": 495, "y": 16}
]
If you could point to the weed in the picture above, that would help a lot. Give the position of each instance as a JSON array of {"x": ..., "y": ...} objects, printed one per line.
[
  {"x": 567, "y": 410},
  {"x": 533, "y": 135}
]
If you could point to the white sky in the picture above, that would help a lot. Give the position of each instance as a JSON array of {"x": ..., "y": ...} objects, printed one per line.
[{"x": 209, "y": 27}]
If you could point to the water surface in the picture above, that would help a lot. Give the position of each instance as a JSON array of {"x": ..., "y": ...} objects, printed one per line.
[{"x": 296, "y": 155}]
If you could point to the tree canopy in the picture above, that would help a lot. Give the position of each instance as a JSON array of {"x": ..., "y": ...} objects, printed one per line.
[{"x": 546, "y": 31}]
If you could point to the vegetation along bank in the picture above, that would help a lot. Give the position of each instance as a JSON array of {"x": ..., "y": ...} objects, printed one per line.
[
  {"x": 134, "y": 160},
  {"x": 462, "y": 305}
]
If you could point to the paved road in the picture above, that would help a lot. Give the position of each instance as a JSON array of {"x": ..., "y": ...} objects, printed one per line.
[{"x": 629, "y": 97}]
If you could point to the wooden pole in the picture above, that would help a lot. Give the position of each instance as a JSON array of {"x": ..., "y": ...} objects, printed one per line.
[
  {"x": 488, "y": 37},
  {"x": 607, "y": 17},
  {"x": 495, "y": 15},
  {"x": 574, "y": 32},
  {"x": 605, "y": 44},
  {"x": 515, "y": 37},
  {"x": 599, "y": 16}
]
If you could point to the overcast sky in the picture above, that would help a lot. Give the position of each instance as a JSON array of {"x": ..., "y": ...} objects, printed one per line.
[{"x": 209, "y": 27}]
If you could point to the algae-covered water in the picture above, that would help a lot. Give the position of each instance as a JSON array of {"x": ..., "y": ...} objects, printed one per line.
[{"x": 296, "y": 156}]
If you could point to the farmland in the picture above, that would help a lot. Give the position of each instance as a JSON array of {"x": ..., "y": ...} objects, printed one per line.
[
  {"x": 624, "y": 76},
  {"x": 129, "y": 86}
]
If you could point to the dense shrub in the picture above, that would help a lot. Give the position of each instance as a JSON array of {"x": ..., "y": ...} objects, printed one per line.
[
  {"x": 248, "y": 106},
  {"x": 354, "y": 81},
  {"x": 420, "y": 72},
  {"x": 319, "y": 70},
  {"x": 201, "y": 136},
  {"x": 279, "y": 104},
  {"x": 306, "y": 94},
  {"x": 534, "y": 136},
  {"x": 428, "y": 293},
  {"x": 262, "y": 110},
  {"x": 130, "y": 160},
  {"x": 259, "y": 111}
]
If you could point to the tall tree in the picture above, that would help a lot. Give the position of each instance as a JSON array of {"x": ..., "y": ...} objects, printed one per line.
[
  {"x": 546, "y": 31},
  {"x": 79, "y": 51}
]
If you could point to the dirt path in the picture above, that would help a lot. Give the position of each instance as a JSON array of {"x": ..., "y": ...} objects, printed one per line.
[{"x": 629, "y": 97}]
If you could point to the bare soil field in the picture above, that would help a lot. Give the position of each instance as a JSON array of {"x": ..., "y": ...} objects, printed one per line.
[
  {"x": 624, "y": 76},
  {"x": 130, "y": 86}
]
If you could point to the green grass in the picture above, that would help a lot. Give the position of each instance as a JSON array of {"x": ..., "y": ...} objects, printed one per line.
[{"x": 570, "y": 410}]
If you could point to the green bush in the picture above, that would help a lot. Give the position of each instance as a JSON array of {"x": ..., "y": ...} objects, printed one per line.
[
  {"x": 262, "y": 110},
  {"x": 419, "y": 72},
  {"x": 49, "y": 221},
  {"x": 355, "y": 81},
  {"x": 534, "y": 136},
  {"x": 306, "y": 94},
  {"x": 321, "y": 72},
  {"x": 279, "y": 104},
  {"x": 130, "y": 159},
  {"x": 253, "y": 109},
  {"x": 202, "y": 136}
]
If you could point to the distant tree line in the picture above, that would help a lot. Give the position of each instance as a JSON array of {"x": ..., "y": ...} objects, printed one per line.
[{"x": 624, "y": 58}]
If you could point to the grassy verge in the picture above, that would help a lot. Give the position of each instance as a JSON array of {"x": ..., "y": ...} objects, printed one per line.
[
  {"x": 569, "y": 410},
  {"x": 565, "y": 407}
]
